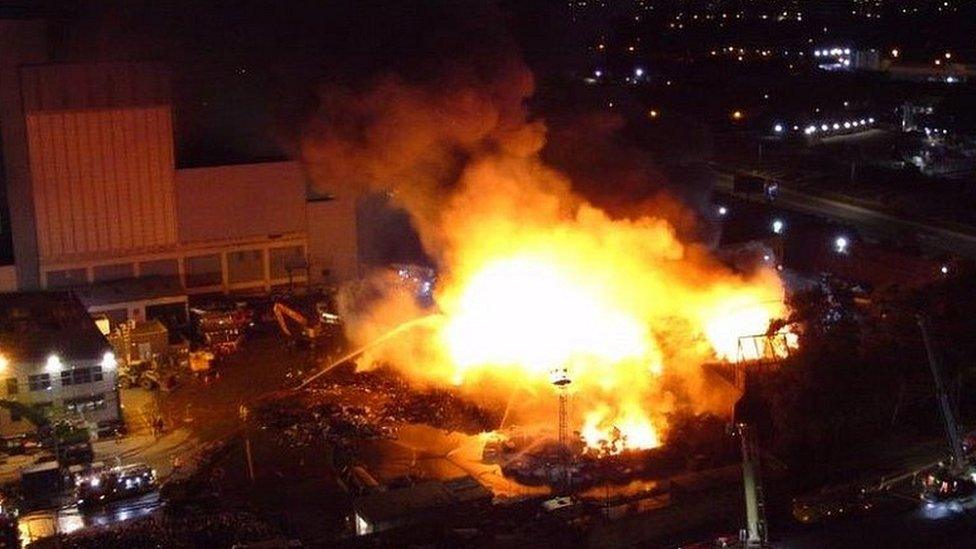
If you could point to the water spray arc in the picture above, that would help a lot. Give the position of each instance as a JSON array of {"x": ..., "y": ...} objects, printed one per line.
[{"x": 376, "y": 342}]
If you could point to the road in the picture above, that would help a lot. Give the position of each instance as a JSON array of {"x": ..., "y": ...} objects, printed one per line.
[
  {"x": 196, "y": 415},
  {"x": 920, "y": 527},
  {"x": 871, "y": 222}
]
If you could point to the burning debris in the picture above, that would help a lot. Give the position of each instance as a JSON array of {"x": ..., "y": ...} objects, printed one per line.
[
  {"x": 366, "y": 405},
  {"x": 531, "y": 277}
]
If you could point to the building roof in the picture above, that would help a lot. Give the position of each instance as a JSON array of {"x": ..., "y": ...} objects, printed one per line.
[
  {"x": 403, "y": 504},
  {"x": 33, "y": 325}
]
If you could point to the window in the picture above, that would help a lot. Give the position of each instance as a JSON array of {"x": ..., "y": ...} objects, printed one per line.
[
  {"x": 104, "y": 273},
  {"x": 285, "y": 260},
  {"x": 203, "y": 270},
  {"x": 245, "y": 266},
  {"x": 79, "y": 376},
  {"x": 12, "y": 387},
  {"x": 85, "y": 404},
  {"x": 66, "y": 279},
  {"x": 39, "y": 382},
  {"x": 159, "y": 267}
]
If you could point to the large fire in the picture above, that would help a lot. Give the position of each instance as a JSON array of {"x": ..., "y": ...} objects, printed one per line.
[
  {"x": 533, "y": 277},
  {"x": 623, "y": 325}
]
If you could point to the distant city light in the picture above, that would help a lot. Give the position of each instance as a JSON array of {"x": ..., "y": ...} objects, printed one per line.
[
  {"x": 652, "y": 113},
  {"x": 638, "y": 72},
  {"x": 778, "y": 128},
  {"x": 841, "y": 244},
  {"x": 598, "y": 73},
  {"x": 944, "y": 269},
  {"x": 847, "y": 125},
  {"x": 737, "y": 115},
  {"x": 836, "y": 126},
  {"x": 824, "y": 127},
  {"x": 723, "y": 211},
  {"x": 948, "y": 55},
  {"x": 895, "y": 52},
  {"x": 778, "y": 226}
]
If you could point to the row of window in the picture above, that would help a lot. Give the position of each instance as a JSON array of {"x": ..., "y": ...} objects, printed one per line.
[
  {"x": 200, "y": 270},
  {"x": 82, "y": 405},
  {"x": 42, "y": 382}
]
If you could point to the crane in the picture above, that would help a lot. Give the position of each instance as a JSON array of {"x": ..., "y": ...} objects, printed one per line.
[{"x": 283, "y": 313}]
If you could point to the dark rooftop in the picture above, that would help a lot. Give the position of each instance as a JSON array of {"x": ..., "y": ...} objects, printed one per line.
[
  {"x": 404, "y": 504},
  {"x": 33, "y": 325}
]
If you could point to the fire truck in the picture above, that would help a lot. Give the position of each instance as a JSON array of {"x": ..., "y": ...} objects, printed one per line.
[{"x": 219, "y": 328}]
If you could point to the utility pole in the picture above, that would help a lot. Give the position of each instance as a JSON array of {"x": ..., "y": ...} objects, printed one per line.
[
  {"x": 243, "y": 412},
  {"x": 755, "y": 534},
  {"x": 948, "y": 418}
]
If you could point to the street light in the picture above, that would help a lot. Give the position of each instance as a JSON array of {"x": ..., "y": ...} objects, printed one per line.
[
  {"x": 841, "y": 244},
  {"x": 53, "y": 363},
  {"x": 723, "y": 211},
  {"x": 778, "y": 128},
  {"x": 778, "y": 226}
]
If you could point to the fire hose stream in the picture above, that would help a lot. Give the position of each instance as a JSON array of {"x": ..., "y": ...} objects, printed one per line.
[{"x": 383, "y": 338}]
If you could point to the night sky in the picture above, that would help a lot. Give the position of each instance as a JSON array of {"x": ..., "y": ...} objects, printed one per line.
[{"x": 245, "y": 73}]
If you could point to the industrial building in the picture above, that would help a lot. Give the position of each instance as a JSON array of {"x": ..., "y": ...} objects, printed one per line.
[
  {"x": 52, "y": 355},
  {"x": 427, "y": 502},
  {"x": 98, "y": 204}
]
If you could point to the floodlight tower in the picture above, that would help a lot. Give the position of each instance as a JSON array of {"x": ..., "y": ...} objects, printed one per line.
[{"x": 559, "y": 377}]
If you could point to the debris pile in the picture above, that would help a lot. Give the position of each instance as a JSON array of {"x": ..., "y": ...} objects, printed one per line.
[{"x": 363, "y": 406}]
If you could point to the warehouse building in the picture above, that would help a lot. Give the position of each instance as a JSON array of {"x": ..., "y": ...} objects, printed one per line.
[
  {"x": 53, "y": 356},
  {"x": 98, "y": 204}
]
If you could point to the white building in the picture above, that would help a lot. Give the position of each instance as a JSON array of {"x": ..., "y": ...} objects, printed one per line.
[{"x": 53, "y": 356}]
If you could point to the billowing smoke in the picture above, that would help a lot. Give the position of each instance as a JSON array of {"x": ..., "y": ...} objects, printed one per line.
[{"x": 533, "y": 276}]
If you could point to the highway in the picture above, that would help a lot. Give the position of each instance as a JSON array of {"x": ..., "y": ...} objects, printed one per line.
[{"x": 870, "y": 222}]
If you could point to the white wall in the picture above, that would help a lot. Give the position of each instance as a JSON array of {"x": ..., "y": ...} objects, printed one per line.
[
  {"x": 332, "y": 239},
  {"x": 240, "y": 201}
]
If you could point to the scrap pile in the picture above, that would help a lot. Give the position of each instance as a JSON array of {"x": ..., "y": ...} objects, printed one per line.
[{"x": 365, "y": 405}]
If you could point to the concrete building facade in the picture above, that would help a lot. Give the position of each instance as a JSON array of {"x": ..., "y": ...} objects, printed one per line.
[{"x": 96, "y": 198}]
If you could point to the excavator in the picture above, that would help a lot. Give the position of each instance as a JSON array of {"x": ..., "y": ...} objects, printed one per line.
[{"x": 325, "y": 324}]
